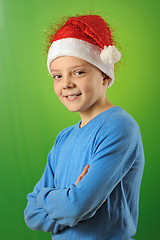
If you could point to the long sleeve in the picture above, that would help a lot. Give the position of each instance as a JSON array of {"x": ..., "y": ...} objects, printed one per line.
[
  {"x": 115, "y": 153},
  {"x": 36, "y": 217}
]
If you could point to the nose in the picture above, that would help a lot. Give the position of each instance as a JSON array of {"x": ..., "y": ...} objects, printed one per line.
[{"x": 68, "y": 83}]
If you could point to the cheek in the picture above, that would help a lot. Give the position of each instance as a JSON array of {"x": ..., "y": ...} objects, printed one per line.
[
  {"x": 85, "y": 86},
  {"x": 89, "y": 89},
  {"x": 57, "y": 89}
]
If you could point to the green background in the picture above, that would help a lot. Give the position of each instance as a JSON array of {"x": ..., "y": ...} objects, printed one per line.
[{"x": 31, "y": 116}]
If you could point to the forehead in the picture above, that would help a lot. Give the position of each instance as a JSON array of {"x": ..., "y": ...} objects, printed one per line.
[{"x": 64, "y": 62}]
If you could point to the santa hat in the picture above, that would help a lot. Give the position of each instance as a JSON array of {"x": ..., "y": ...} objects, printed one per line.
[{"x": 89, "y": 38}]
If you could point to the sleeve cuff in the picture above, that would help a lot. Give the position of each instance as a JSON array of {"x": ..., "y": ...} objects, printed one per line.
[{"x": 42, "y": 196}]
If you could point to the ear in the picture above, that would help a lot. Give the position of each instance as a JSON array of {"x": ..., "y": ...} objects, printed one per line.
[{"x": 106, "y": 79}]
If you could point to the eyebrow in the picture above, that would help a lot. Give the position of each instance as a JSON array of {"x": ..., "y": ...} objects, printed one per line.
[{"x": 75, "y": 66}]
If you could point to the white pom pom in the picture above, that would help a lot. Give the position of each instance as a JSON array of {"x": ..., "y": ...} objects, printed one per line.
[{"x": 110, "y": 54}]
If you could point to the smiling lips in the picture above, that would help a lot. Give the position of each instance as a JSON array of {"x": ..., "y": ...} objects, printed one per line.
[{"x": 72, "y": 97}]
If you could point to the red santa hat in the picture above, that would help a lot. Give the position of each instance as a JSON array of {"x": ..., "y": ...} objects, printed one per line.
[{"x": 89, "y": 38}]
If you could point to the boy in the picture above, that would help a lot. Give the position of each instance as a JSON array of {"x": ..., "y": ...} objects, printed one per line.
[{"x": 91, "y": 183}]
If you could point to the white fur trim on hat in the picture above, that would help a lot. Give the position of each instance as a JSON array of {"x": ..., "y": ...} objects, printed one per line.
[{"x": 84, "y": 50}]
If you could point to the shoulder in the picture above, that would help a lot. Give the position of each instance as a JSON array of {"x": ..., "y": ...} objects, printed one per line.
[
  {"x": 63, "y": 134},
  {"x": 120, "y": 118},
  {"x": 119, "y": 122}
]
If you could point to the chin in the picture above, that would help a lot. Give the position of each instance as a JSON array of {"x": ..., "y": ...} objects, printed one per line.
[{"x": 73, "y": 110}]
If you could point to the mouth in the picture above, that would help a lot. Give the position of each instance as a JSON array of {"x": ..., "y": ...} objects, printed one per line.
[{"x": 72, "y": 96}]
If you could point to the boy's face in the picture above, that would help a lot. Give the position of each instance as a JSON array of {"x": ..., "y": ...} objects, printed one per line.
[{"x": 79, "y": 85}]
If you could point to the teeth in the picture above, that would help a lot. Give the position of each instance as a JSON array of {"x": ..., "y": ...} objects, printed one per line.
[{"x": 72, "y": 96}]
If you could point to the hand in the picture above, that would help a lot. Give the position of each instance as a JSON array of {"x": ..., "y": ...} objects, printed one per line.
[{"x": 83, "y": 173}]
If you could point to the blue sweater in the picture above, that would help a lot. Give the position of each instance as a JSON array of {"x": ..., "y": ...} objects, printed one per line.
[{"x": 111, "y": 144}]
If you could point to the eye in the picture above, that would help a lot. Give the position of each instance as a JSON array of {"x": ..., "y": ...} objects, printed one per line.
[
  {"x": 79, "y": 72},
  {"x": 57, "y": 76}
]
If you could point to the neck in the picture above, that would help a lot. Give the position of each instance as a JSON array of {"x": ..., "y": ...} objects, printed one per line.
[{"x": 87, "y": 116}]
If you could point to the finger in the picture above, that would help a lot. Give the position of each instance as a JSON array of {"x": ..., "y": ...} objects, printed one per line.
[
  {"x": 78, "y": 180},
  {"x": 85, "y": 170}
]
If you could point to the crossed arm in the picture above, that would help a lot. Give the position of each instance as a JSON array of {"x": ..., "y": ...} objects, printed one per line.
[
  {"x": 38, "y": 219},
  {"x": 83, "y": 173},
  {"x": 51, "y": 209}
]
